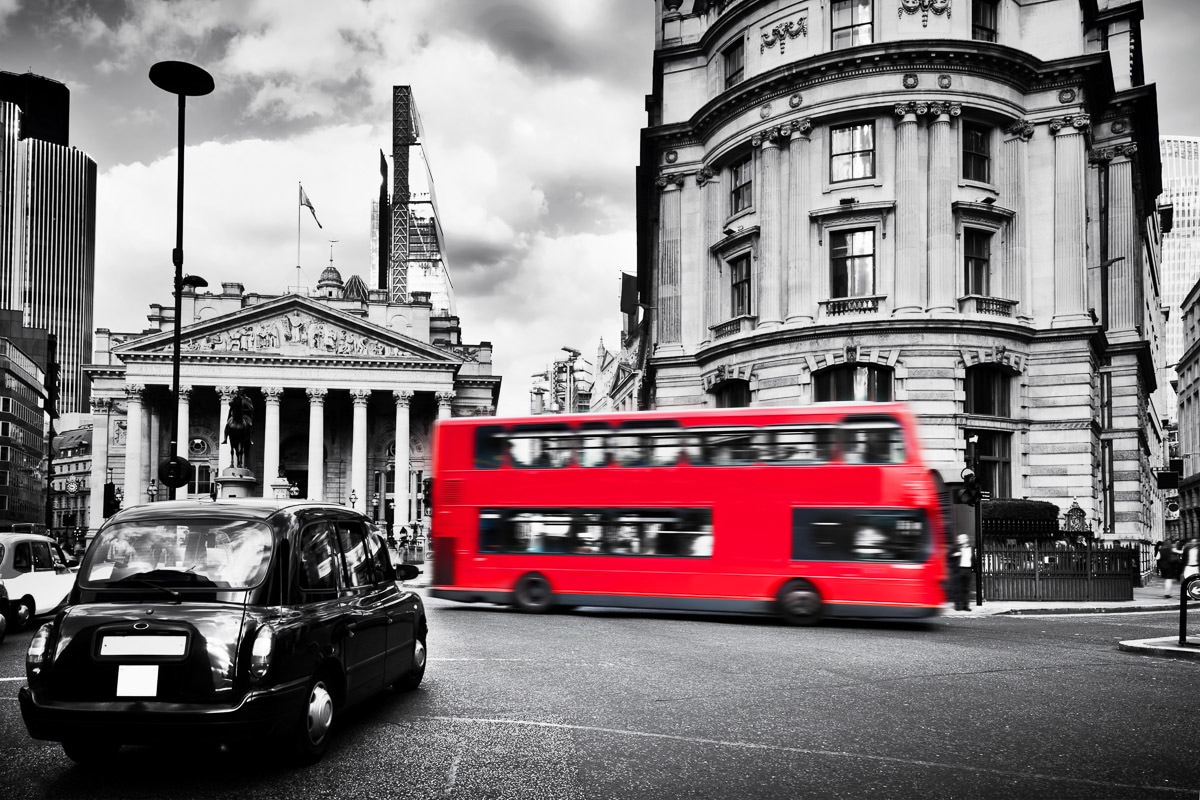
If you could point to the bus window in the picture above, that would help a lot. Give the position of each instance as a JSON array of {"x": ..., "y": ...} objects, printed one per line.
[
  {"x": 725, "y": 448},
  {"x": 592, "y": 444},
  {"x": 802, "y": 446},
  {"x": 645, "y": 443},
  {"x": 668, "y": 450},
  {"x": 872, "y": 440},
  {"x": 489, "y": 447},
  {"x": 540, "y": 446},
  {"x": 851, "y": 535}
]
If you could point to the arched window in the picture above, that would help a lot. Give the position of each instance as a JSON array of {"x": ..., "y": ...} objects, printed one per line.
[
  {"x": 853, "y": 382},
  {"x": 988, "y": 391},
  {"x": 732, "y": 394}
]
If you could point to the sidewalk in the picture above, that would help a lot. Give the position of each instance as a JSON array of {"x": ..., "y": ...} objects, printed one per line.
[{"x": 1150, "y": 597}]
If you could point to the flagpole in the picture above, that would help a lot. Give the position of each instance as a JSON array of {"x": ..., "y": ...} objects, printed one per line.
[{"x": 301, "y": 188}]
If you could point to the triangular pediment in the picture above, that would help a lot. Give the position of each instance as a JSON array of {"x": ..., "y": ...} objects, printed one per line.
[{"x": 294, "y": 326}]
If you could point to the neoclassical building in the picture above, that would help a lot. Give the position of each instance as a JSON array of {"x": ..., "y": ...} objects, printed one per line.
[
  {"x": 945, "y": 202},
  {"x": 345, "y": 384}
]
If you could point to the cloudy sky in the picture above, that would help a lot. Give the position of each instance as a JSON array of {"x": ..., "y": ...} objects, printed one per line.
[{"x": 531, "y": 112}]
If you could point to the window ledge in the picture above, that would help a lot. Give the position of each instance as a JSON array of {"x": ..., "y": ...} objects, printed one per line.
[
  {"x": 733, "y": 327},
  {"x": 993, "y": 306},
  {"x": 841, "y": 306},
  {"x": 734, "y": 239}
]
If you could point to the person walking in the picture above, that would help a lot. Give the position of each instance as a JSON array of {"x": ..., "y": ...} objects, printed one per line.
[
  {"x": 1171, "y": 565},
  {"x": 961, "y": 559}
]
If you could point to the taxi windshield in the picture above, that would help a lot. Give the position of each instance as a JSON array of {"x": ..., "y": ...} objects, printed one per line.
[{"x": 201, "y": 554}]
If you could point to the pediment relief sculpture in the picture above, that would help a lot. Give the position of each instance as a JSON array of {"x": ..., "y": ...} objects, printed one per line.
[{"x": 295, "y": 332}]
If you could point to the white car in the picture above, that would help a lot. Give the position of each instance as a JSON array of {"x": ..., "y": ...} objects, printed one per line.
[{"x": 36, "y": 574}]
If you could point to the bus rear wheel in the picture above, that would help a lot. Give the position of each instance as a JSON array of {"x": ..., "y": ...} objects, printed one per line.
[
  {"x": 532, "y": 594},
  {"x": 799, "y": 603}
]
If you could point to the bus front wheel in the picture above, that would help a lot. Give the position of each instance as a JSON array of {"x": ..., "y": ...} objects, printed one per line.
[
  {"x": 799, "y": 603},
  {"x": 532, "y": 594}
]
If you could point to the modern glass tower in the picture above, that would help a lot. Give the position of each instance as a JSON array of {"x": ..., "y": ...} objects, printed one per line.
[{"x": 47, "y": 224}]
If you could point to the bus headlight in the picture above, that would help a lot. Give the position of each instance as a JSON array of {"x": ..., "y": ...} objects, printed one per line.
[
  {"x": 261, "y": 651},
  {"x": 36, "y": 655}
]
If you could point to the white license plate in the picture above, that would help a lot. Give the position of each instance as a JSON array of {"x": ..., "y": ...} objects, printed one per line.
[
  {"x": 137, "y": 680},
  {"x": 143, "y": 645}
]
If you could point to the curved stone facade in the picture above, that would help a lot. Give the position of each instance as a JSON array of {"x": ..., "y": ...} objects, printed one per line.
[{"x": 848, "y": 201}]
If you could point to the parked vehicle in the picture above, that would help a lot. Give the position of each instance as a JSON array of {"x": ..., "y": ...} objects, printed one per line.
[
  {"x": 223, "y": 621},
  {"x": 37, "y": 576}
]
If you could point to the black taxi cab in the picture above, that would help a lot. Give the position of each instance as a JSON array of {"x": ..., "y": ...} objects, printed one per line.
[{"x": 223, "y": 621}]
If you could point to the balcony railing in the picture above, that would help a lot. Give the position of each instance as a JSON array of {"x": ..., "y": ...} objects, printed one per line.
[
  {"x": 978, "y": 304},
  {"x": 742, "y": 324},
  {"x": 841, "y": 306}
]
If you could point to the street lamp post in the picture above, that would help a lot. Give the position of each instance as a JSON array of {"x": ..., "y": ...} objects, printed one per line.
[
  {"x": 181, "y": 79},
  {"x": 152, "y": 490}
]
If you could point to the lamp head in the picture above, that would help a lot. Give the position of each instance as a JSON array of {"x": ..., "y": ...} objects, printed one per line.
[{"x": 180, "y": 77}]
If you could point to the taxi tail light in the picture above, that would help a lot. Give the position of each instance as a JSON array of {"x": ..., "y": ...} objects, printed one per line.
[
  {"x": 261, "y": 651},
  {"x": 39, "y": 647}
]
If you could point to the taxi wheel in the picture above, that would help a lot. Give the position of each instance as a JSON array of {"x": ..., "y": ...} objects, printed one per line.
[
  {"x": 799, "y": 603},
  {"x": 20, "y": 613},
  {"x": 412, "y": 678},
  {"x": 533, "y": 594},
  {"x": 315, "y": 723},
  {"x": 90, "y": 753}
]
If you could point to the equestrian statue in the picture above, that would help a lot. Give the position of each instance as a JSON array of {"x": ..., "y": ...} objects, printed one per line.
[{"x": 239, "y": 427}]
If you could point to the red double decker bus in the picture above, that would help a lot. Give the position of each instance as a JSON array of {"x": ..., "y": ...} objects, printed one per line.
[{"x": 806, "y": 512}]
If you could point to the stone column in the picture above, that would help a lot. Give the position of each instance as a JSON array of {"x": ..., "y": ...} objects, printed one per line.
[
  {"x": 769, "y": 264},
  {"x": 1070, "y": 221},
  {"x": 444, "y": 399},
  {"x": 316, "y": 443},
  {"x": 909, "y": 297},
  {"x": 272, "y": 395},
  {"x": 224, "y": 449},
  {"x": 943, "y": 255},
  {"x": 1019, "y": 272},
  {"x": 134, "y": 425},
  {"x": 101, "y": 407},
  {"x": 666, "y": 291},
  {"x": 710, "y": 286},
  {"x": 1124, "y": 287},
  {"x": 183, "y": 421},
  {"x": 400, "y": 499},
  {"x": 358, "y": 451},
  {"x": 801, "y": 307}
]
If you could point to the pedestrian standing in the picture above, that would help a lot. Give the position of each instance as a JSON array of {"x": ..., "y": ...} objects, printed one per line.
[
  {"x": 961, "y": 559},
  {"x": 1171, "y": 565}
]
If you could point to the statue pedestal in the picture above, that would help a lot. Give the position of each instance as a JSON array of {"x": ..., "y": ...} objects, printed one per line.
[{"x": 235, "y": 482}]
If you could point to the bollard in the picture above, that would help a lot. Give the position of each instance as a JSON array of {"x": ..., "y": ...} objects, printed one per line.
[{"x": 1189, "y": 589}]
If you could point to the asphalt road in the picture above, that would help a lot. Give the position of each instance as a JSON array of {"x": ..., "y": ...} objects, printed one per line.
[{"x": 614, "y": 704}]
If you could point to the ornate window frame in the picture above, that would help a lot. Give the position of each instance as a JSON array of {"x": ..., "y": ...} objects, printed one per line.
[{"x": 995, "y": 221}]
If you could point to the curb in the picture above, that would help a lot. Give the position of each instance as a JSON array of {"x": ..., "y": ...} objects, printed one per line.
[
  {"x": 1016, "y": 612},
  {"x": 1167, "y": 647}
]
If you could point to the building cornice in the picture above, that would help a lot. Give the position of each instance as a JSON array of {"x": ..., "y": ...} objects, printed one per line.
[{"x": 1006, "y": 65}]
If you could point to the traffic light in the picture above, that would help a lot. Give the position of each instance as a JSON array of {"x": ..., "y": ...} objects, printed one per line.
[
  {"x": 111, "y": 506},
  {"x": 970, "y": 494},
  {"x": 427, "y": 493}
]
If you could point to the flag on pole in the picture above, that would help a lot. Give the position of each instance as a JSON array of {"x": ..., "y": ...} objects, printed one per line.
[{"x": 304, "y": 201}]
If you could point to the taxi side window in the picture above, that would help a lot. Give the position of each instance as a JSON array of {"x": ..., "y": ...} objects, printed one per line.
[
  {"x": 22, "y": 557},
  {"x": 320, "y": 561},
  {"x": 41, "y": 556},
  {"x": 363, "y": 566}
]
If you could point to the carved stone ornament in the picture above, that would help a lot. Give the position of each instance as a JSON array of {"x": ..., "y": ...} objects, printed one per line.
[
  {"x": 795, "y": 100},
  {"x": 1021, "y": 127},
  {"x": 802, "y": 126},
  {"x": 1104, "y": 155},
  {"x": 914, "y": 107},
  {"x": 782, "y": 32},
  {"x": 943, "y": 81},
  {"x": 925, "y": 7},
  {"x": 945, "y": 109},
  {"x": 1066, "y": 96},
  {"x": 296, "y": 331},
  {"x": 672, "y": 181},
  {"x": 671, "y": 156},
  {"x": 765, "y": 111},
  {"x": 1079, "y": 122},
  {"x": 704, "y": 175},
  {"x": 1119, "y": 127},
  {"x": 910, "y": 80}
]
